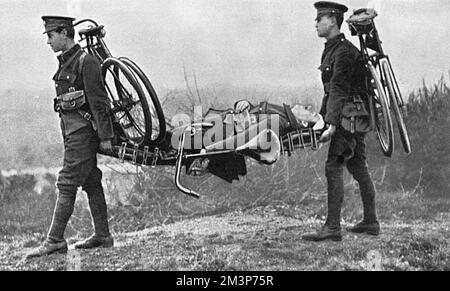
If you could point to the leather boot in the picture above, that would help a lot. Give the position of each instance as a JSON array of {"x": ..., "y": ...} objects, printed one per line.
[
  {"x": 98, "y": 208},
  {"x": 324, "y": 233},
  {"x": 48, "y": 247},
  {"x": 372, "y": 228},
  {"x": 97, "y": 203},
  {"x": 96, "y": 242},
  {"x": 63, "y": 210}
]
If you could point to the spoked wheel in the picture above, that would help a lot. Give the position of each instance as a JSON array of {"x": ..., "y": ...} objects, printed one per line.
[
  {"x": 129, "y": 105},
  {"x": 395, "y": 100},
  {"x": 381, "y": 115},
  {"x": 156, "y": 112}
]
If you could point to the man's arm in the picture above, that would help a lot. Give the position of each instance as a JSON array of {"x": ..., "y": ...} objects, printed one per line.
[
  {"x": 340, "y": 84},
  {"x": 97, "y": 98}
]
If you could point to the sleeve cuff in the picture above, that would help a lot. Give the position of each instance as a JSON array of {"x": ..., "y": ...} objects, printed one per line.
[{"x": 332, "y": 119}]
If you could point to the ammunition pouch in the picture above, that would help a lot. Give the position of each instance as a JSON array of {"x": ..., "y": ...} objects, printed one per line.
[
  {"x": 355, "y": 118},
  {"x": 70, "y": 101}
]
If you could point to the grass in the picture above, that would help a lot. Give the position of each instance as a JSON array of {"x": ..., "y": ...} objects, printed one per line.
[{"x": 262, "y": 238}]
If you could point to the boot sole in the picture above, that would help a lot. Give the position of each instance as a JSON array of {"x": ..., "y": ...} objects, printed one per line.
[
  {"x": 93, "y": 247},
  {"x": 369, "y": 232},
  {"x": 333, "y": 238}
]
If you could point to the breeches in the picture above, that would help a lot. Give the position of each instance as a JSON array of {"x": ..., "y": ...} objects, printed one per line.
[
  {"x": 80, "y": 157},
  {"x": 79, "y": 169},
  {"x": 348, "y": 150}
]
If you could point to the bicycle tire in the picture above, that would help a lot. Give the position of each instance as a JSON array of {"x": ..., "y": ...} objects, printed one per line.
[
  {"x": 394, "y": 100},
  {"x": 159, "y": 123},
  {"x": 124, "y": 104},
  {"x": 381, "y": 114}
]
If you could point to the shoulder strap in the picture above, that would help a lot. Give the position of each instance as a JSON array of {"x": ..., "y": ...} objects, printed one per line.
[
  {"x": 86, "y": 115},
  {"x": 80, "y": 66}
]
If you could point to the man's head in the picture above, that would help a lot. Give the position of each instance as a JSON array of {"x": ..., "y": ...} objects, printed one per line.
[
  {"x": 330, "y": 16},
  {"x": 60, "y": 32},
  {"x": 306, "y": 115},
  {"x": 304, "y": 112}
]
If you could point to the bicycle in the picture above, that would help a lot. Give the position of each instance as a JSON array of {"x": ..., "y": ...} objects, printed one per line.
[
  {"x": 129, "y": 89},
  {"x": 382, "y": 83}
]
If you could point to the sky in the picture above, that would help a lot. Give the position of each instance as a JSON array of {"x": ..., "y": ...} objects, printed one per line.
[{"x": 243, "y": 43}]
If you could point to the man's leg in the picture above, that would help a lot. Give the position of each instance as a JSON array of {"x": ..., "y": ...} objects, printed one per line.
[
  {"x": 97, "y": 202},
  {"x": 357, "y": 166},
  {"x": 63, "y": 210},
  {"x": 340, "y": 150},
  {"x": 98, "y": 208},
  {"x": 334, "y": 172},
  {"x": 55, "y": 242}
]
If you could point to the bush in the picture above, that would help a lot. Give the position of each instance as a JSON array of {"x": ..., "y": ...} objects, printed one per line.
[{"x": 427, "y": 168}]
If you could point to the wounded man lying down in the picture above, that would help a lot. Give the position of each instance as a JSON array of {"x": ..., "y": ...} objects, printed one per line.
[
  {"x": 295, "y": 115},
  {"x": 229, "y": 167}
]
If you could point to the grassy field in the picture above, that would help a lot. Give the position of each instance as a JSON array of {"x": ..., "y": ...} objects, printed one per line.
[{"x": 265, "y": 238}]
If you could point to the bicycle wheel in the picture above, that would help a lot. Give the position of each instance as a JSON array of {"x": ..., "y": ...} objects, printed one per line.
[
  {"x": 129, "y": 105},
  {"x": 381, "y": 114},
  {"x": 394, "y": 97},
  {"x": 156, "y": 112}
]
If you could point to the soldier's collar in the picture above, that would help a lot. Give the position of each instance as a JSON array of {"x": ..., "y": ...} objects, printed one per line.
[
  {"x": 335, "y": 39},
  {"x": 64, "y": 57}
]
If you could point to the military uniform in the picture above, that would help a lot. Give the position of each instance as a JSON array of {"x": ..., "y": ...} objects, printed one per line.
[
  {"x": 344, "y": 81},
  {"x": 82, "y": 129},
  {"x": 78, "y": 126},
  {"x": 343, "y": 77}
]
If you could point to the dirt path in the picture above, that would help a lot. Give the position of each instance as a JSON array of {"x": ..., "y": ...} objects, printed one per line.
[{"x": 265, "y": 238}]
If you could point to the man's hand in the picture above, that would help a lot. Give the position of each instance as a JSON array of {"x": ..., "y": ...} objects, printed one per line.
[
  {"x": 106, "y": 147},
  {"x": 328, "y": 133},
  {"x": 242, "y": 106},
  {"x": 320, "y": 123}
]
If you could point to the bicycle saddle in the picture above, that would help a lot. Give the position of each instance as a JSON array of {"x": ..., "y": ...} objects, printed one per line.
[
  {"x": 93, "y": 31},
  {"x": 362, "y": 16}
]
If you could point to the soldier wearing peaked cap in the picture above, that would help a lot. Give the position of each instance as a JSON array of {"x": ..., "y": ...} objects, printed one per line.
[
  {"x": 329, "y": 8},
  {"x": 344, "y": 81},
  {"x": 52, "y": 23},
  {"x": 84, "y": 110}
]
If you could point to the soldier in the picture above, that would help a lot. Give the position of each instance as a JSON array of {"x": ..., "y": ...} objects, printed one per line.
[
  {"x": 343, "y": 77},
  {"x": 84, "y": 110}
]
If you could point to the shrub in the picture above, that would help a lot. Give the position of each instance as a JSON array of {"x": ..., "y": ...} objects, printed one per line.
[{"x": 427, "y": 168}]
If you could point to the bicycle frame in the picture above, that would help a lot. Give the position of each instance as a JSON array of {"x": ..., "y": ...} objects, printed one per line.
[
  {"x": 377, "y": 57},
  {"x": 381, "y": 83}
]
